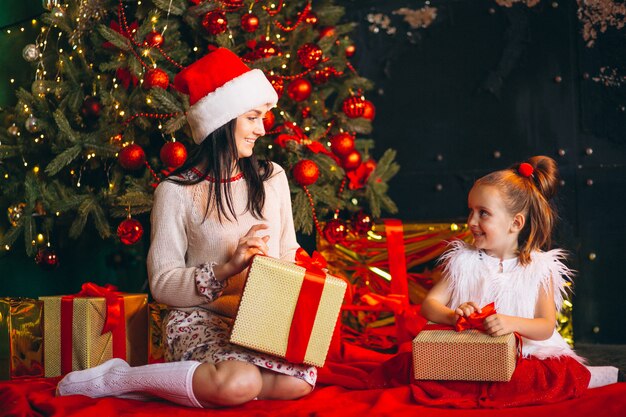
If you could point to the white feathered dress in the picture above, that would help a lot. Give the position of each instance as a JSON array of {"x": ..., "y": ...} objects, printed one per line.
[{"x": 475, "y": 276}]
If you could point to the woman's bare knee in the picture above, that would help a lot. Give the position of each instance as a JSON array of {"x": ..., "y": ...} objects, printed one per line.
[
  {"x": 283, "y": 387},
  {"x": 227, "y": 383}
]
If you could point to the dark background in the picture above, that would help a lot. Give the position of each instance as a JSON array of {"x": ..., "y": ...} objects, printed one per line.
[{"x": 481, "y": 88}]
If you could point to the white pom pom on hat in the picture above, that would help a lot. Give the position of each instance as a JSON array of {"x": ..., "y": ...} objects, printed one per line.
[{"x": 220, "y": 88}]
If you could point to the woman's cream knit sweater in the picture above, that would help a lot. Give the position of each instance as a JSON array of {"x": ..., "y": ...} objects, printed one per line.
[{"x": 181, "y": 241}]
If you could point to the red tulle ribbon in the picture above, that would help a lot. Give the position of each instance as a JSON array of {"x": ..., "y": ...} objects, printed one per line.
[
  {"x": 114, "y": 322},
  {"x": 306, "y": 307}
]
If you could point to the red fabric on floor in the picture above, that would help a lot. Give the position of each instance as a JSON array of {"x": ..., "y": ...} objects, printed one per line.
[
  {"x": 34, "y": 398},
  {"x": 356, "y": 386}
]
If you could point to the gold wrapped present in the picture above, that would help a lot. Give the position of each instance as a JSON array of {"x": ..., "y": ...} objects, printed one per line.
[
  {"x": 469, "y": 355},
  {"x": 21, "y": 344},
  {"x": 82, "y": 331},
  {"x": 156, "y": 350},
  {"x": 289, "y": 310}
]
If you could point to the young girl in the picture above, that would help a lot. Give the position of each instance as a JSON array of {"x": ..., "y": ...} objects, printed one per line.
[
  {"x": 511, "y": 218},
  {"x": 209, "y": 218}
]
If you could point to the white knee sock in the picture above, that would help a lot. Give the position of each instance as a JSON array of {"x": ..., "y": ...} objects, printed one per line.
[
  {"x": 602, "y": 375},
  {"x": 115, "y": 378}
]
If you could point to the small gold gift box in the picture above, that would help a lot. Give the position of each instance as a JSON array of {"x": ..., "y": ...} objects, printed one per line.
[
  {"x": 21, "y": 341},
  {"x": 267, "y": 307},
  {"x": 470, "y": 355},
  {"x": 89, "y": 347}
]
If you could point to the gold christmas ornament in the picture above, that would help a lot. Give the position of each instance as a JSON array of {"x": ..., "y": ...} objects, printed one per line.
[
  {"x": 14, "y": 213},
  {"x": 30, "y": 52},
  {"x": 32, "y": 124}
]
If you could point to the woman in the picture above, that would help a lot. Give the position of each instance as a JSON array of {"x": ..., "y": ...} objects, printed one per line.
[{"x": 209, "y": 218}]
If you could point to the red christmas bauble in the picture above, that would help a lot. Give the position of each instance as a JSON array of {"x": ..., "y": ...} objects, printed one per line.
[
  {"x": 361, "y": 222},
  {"x": 156, "y": 77},
  {"x": 327, "y": 31},
  {"x": 350, "y": 50},
  {"x": 132, "y": 157},
  {"x": 309, "y": 55},
  {"x": 370, "y": 165},
  {"x": 278, "y": 84},
  {"x": 305, "y": 172},
  {"x": 351, "y": 161},
  {"x": 354, "y": 107},
  {"x": 154, "y": 39},
  {"x": 321, "y": 76},
  {"x": 268, "y": 121},
  {"x": 306, "y": 112},
  {"x": 91, "y": 108},
  {"x": 215, "y": 22},
  {"x": 173, "y": 154},
  {"x": 249, "y": 22},
  {"x": 311, "y": 18},
  {"x": 47, "y": 259},
  {"x": 266, "y": 49},
  {"x": 335, "y": 231},
  {"x": 130, "y": 231},
  {"x": 299, "y": 89},
  {"x": 342, "y": 144},
  {"x": 369, "y": 111}
]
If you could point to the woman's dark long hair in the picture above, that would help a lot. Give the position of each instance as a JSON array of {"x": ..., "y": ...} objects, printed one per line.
[{"x": 215, "y": 158}]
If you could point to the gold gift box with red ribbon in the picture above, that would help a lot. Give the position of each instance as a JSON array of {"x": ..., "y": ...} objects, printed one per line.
[
  {"x": 21, "y": 339},
  {"x": 464, "y": 352},
  {"x": 289, "y": 309},
  {"x": 99, "y": 323}
]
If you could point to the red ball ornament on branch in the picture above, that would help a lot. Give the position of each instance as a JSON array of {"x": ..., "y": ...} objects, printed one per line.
[
  {"x": 327, "y": 31},
  {"x": 173, "y": 154},
  {"x": 350, "y": 50},
  {"x": 214, "y": 22},
  {"x": 249, "y": 22},
  {"x": 361, "y": 222},
  {"x": 299, "y": 89},
  {"x": 311, "y": 18},
  {"x": 321, "y": 76},
  {"x": 156, "y": 77},
  {"x": 351, "y": 161},
  {"x": 130, "y": 231},
  {"x": 132, "y": 157},
  {"x": 47, "y": 259},
  {"x": 278, "y": 84},
  {"x": 268, "y": 121},
  {"x": 342, "y": 144},
  {"x": 154, "y": 39},
  {"x": 354, "y": 107},
  {"x": 305, "y": 172},
  {"x": 369, "y": 111},
  {"x": 91, "y": 108},
  {"x": 309, "y": 55},
  {"x": 335, "y": 231}
]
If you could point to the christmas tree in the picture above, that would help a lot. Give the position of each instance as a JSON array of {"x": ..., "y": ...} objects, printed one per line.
[{"x": 101, "y": 124}]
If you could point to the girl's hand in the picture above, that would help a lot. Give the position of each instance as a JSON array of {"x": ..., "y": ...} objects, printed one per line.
[
  {"x": 498, "y": 325},
  {"x": 465, "y": 309},
  {"x": 248, "y": 246}
]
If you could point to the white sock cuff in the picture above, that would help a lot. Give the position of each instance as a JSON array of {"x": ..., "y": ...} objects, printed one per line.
[{"x": 189, "y": 385}]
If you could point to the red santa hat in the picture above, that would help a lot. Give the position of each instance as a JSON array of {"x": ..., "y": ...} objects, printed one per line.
[{"x": 220, "y": 88}]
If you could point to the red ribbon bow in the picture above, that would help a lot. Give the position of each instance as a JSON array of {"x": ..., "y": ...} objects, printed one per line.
[
  {"x": 316, "y": 263},
  {"x": 475, "y": 320}
]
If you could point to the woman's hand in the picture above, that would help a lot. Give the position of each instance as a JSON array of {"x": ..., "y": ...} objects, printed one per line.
[
  {"x": 248, "y": 246},
  {"x": 465, "y": 309}
]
